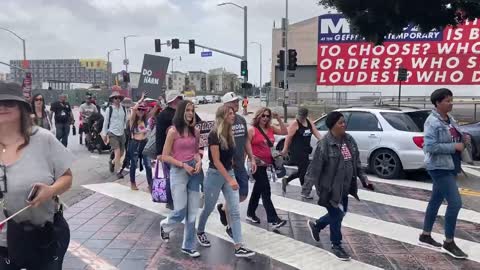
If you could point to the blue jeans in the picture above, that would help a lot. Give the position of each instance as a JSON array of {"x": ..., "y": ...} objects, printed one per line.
[
  {"x": 334, "y": 218},
  {"x": 213, "y": 184},
  {"x": 444, "y": 187},
  {"x": 62, "y": 130},
  {"x": 135, "y": 149},
  {"x": 242, "y": 177},
  {"x": 186, "y": 199}
]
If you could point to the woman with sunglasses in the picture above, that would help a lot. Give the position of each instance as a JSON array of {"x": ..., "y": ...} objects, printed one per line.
[
  {"x": 261, "y": 136},
  {"x": 35, "y": 170},
  {"x": 181, "y": 151},
  {"x": 138, "y": 130},
  {"x": 40, "y": 115}
]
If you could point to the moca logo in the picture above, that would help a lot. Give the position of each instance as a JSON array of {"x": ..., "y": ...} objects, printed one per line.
[{"x": 337, "y": 25}]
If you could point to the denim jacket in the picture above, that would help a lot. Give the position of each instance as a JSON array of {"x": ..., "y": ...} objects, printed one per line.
[{"x": 438, "y": 146}]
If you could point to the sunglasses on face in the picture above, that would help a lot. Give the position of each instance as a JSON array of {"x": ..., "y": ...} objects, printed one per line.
[
  {"x": 266, "y": 116},
  {"x": 8, "y": 103}
]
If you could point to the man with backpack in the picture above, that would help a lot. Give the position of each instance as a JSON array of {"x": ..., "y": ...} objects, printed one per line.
[{"x": 113, "y": 132}]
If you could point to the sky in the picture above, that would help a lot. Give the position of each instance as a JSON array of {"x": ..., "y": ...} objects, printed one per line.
[{"x": 59, "y": 29}]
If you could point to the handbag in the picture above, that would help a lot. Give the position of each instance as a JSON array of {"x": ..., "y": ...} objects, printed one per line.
[
  {"x": 30, "y": 245},
  {"x": 278, "y": 162},
  {"x": 160, "y": 188}
]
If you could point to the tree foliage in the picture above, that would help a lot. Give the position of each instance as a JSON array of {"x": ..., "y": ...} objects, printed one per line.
[{"x": 373, "y": 19}]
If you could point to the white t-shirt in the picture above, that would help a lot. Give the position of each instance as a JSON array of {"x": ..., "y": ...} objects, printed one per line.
[{"x": 43, "y": 160}]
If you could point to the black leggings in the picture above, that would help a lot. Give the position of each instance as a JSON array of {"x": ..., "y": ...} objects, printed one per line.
[
  {"x": 302, "y": 162},
  {"x": 6, "y": 264},
  {"x": 261, "y": 188}
]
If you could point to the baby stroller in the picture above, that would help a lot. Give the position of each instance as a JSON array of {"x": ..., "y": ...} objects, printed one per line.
[{"x": 93, "y": 128}]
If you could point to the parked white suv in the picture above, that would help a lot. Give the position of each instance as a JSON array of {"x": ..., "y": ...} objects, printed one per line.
[{"x": 390, "y": 140}]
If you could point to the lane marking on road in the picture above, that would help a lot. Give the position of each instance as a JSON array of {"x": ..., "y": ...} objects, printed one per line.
[
  {"x": 278, "y": 247},
  {"x": 406, "y": 203},
  {"x": 378, "y": 227}
]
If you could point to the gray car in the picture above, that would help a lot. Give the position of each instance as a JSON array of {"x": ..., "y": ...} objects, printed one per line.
[{"x": 390, "y": 140}]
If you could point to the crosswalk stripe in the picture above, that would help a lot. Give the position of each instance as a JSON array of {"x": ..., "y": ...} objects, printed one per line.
[
  {"x": 378, "y": 227},
  {"x": 278, "y": 247},
  {"x": 412, "y": 204}
]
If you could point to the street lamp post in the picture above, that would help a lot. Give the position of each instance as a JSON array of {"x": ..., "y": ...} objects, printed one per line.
[
  {"x": 109, "y": 71},
  {"x": 245, "y": 36},
  {"x": 260, "y": 45},
  {"x": 23, "y": 42},
  {"x": 125, "y": 61}
]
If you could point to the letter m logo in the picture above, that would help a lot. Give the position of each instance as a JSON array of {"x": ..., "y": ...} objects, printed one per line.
[{"x": 335, "y": 24}]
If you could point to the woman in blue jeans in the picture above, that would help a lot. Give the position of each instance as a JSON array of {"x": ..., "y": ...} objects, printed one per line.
[
  {"x": 181, "y": 151},
  {"x": 220, "y": 177},
  {"x": 443, "y": 146}
]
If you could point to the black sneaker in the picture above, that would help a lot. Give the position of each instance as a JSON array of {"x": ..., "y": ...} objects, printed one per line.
[
  {"x": 242, "y": 252},
  {"x": 253, "y": 219},
  {"x": 453, "y": 250},
  {"x": 190, "y": 252},
  {"x": 340, "y": 253},
  {"x": 306, "y": 196},
  {"x": 284, "y": 185},
  {"x": 314, "y": 231},
  {"x": 278, "y": 224},
  {"x": 229, "y": 232},
  {"x": 120, "y": 175},
  {"x": 203, "y": 240},
  {"x": 223, "y": 215},
  {"x": 165, "y": 236},
  {"x": 427, "y": 241}
]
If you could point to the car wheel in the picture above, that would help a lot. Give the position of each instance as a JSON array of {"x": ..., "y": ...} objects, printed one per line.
[{"x": 386, "y": 164}]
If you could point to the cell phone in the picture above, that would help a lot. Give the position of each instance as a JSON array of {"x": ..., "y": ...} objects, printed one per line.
[{"x": 32, "y": 194}]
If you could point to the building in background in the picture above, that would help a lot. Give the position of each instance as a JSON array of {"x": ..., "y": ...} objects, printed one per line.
[
  {"x": 222, "y": 81},
  {"x": 198, "y": 81},
  {"x": 3, "y": 76},
  {"x": 179, "y": 80},
  {"x": 91, "y": 71}
]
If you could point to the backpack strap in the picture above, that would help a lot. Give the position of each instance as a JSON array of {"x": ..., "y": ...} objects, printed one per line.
[{"x": 110, "y": 111}]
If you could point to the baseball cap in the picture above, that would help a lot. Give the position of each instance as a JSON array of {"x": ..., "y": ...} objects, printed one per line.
[
  {"x": 172, "y": 95},
  {"x": 229, "y": 97}
]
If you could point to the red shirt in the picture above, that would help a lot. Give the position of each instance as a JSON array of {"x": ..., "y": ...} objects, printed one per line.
[{"x": 260, "y": 146}]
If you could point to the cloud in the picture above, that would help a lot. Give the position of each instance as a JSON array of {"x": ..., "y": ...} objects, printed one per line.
[{"x": 89, "y": 28}]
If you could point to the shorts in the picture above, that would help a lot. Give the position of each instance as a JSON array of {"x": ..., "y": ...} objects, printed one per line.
[
  {"x": 117, "y": 142},
  {"x": 242, "y": 177}
]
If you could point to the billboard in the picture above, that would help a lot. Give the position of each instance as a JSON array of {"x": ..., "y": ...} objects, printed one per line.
[
  {"x": 98, "y": 64},
  {"x": 441, "y": 57},
  {"x": 152, "y": 78}
]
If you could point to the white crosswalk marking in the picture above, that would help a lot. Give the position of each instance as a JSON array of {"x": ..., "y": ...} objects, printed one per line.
[
  {"x": 281, "y": 248},
  {"x": 406, "y": 203}
]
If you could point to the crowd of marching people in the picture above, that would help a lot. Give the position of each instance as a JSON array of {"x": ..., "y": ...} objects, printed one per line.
[{"x": 166, "y": 136}]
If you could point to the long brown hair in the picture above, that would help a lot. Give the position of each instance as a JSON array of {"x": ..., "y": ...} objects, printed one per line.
[
  {"x": 258, "y": 116},
  {"x": 179, "y": 120},
  {"x": 223, "y": 129}
]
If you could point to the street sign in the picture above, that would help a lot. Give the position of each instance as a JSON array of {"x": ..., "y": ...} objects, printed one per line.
[
  {"x": 206, "y": 54},
  {"x": 126, "y": 62}
]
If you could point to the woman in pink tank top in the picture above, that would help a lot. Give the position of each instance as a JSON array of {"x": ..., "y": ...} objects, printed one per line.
[
  {"x": 261, "y": 136},
  {"x": 182, "y": 153}
]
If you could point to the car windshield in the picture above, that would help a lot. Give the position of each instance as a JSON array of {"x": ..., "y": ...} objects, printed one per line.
[{"x": 409, "y": 121}]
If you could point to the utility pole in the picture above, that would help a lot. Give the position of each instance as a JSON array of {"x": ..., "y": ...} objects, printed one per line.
[
  {"x": 245, "y": 45},
  {"x": 285, "y": 88}
]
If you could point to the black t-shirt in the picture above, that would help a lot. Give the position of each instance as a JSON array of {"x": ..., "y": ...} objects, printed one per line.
[
  {"x": 62, "y": 112},
  {"x": 226, "y": 155}
]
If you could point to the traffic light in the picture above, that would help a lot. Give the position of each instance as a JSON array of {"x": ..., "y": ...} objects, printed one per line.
[
  {"x": 292, "y": 59},
  {"x": 175, "y": 43},
  {"x": 244, "y": 68},
  {"x": 247, "y": 86},
  {"x": 402, "y": 74},
  {"x": 281, "y": 60},
  {"x": 281, "y": 84},
  {"x": 191, "y": 46},
  {"x": 126, "y": 77},
  {"x": 158, "y": 45}
]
